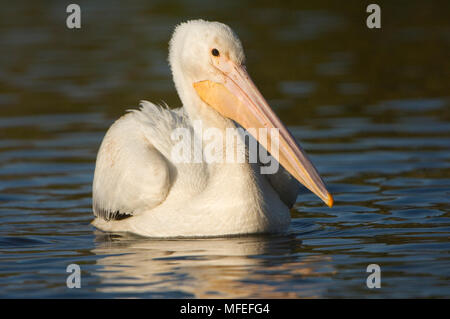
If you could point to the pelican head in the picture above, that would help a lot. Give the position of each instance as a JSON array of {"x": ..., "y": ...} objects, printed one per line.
[{"x": 208, "y": 66}]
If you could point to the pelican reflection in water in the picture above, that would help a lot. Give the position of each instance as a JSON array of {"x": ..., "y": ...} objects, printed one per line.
[
  {"x": 257, "y": 266},
  {"x": 139, "y": 188}
]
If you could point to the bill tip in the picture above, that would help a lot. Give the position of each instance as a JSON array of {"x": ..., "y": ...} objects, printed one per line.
[{"x": 330, "y": 201}]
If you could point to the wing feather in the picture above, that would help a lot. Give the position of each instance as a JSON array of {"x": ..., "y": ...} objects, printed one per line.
[{"x": 131, "y": 174}]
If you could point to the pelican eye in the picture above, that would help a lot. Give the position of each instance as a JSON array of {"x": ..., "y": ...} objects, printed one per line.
[{"x": 215, "y": 52}]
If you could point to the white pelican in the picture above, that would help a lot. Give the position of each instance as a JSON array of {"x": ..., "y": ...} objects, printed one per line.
[{"x": 137, "y": 186}]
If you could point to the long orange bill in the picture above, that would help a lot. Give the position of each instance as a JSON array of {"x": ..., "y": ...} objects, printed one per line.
[{"x": 238, "y": 98}]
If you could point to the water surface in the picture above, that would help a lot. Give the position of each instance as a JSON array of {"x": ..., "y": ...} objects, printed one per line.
[{"x": 371, "y": 107}]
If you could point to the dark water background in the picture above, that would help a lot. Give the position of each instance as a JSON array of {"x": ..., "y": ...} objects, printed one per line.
[{"x": 371, "y": 107}]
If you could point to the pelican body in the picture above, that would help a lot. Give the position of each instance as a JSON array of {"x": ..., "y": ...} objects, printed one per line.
[{"x": 138, "y": 186}]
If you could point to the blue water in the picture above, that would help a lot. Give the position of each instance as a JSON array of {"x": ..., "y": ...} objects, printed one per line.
[{"x": 371, "y": 109}]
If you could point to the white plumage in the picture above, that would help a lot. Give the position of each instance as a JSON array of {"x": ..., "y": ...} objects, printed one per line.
[{"x": 138, "y": 188}]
